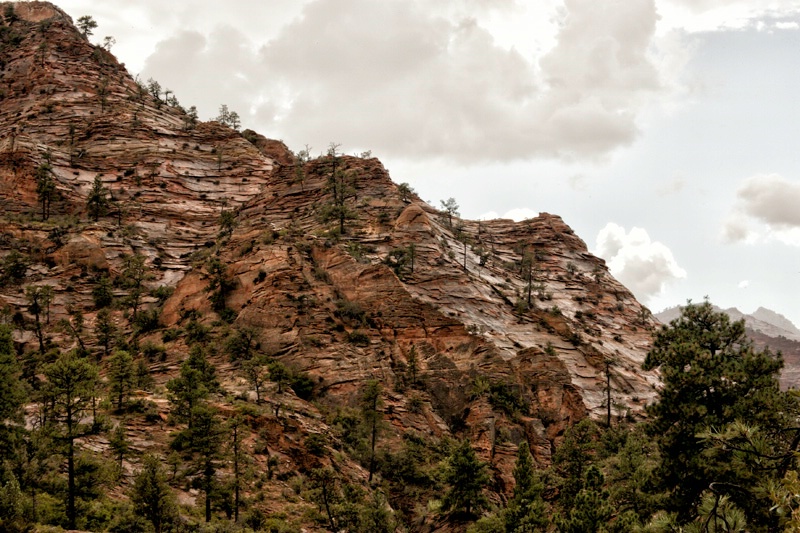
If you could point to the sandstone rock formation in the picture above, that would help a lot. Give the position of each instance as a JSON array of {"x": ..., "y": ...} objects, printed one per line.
[{"x": 490, "y": 310}]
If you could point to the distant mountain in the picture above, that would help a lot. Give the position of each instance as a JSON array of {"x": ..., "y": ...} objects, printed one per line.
[
  {"x": 767, "y": 329},
  {"x": 776, "y": 319}
]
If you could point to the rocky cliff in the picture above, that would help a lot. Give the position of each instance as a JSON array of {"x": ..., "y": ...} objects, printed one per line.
[{"x": 511, "y": 330}]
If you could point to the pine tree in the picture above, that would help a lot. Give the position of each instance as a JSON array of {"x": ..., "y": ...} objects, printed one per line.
[
  {"x": 630, "y": 472},
  {"x": 134, "y": 275},
  {"x": 103, "y": 293},
  {"x": 372, "y": 417},
  {"x": 39, "y": 298},
  {"x": 341, "y": 186},
  {"x": 450, "y": 207},
  {"x": 467, "y": 477},
  {"x": 104, "y": 330},
  {"x": 219, "y": 284},
  {"x": 12, "y": 391},
  {"x": 120, "y": 377},
  {"x": 256, "y": 373},
  {"x": 86, "y": 24},
  {"x": 205, "y": 445},
  {"x": 572, "y": 459},
  {"x": 119, "y": 444},
  {"x": 97, "y": 201},
  {"x": 713, "y": 378},
  {"x": 45, "y": 188},
  {"x": 152, "y": 496},
  {"x": 197, "y": 379},
  {"x": 591, "y": 510},
  {"x": 526, "y": 510},
  {"x": 71, "y": 389}
]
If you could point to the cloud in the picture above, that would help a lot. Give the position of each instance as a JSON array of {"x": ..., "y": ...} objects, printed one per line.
[
  {"x": 642, "y": 265},
  {"x": 772, "y": 199},
  {"x": 743, "y": 284},
  {"x": 765, "y": 209},
  {"x": 577, "y": 182},
  {"x": 416, "y": 82},
  {"x": 722, "y": 15},
  {"x": 737, "y": 229},
  {"x": 517, "y": 214},
  {"x": 674, "y": 186},
  {"x": 191, "y": 60}
]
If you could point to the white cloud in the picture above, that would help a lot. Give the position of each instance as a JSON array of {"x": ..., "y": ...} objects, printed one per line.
[
  {"x": 744, "y": 284},
  {"x": 737, "y": 229},
  {"x": 772, "y": 199},
  {"x": 720, "y": 15},
  {"x": 419, "y": 83},
  {"x": 674, "y": 186},
  {"x": 765, "y": 209},
  {"x": 516, "y": 214},
  {"x": 577, "y": 182},
  {"x": 642, "y": 265}
]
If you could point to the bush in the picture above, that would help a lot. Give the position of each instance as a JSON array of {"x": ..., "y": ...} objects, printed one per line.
[
  {"x": 154, "y": 352},
  {"x": 302, "y": 385},
  {"x": 102, "y": 293},
  {"x": 13, "y": 268},
  {"x": 171, "y": 334},
  {"x": 350, "y": 311},
  {"x": 359, "y": 338},
  {"x": 163, "y": 292},
  {"x": 146, "y": 320},
  {"x": 506, "y": 398},
  {"x": 196, "y": 332},
  {"x": 315, "y": 444}
]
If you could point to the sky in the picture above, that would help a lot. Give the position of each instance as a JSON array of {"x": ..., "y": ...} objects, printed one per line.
[{"x": 664, "y": 132}]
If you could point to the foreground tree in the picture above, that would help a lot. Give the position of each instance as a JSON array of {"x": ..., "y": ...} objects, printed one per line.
[
  {"x": 12, "y": 392},
  {"x": 151, "y": 496},
  {"x": 197, "y": 379},
  {"x": 466, "y": 475},
  {"x": 526, "y": 510},
  {"x": 713, "y": 382},
  {"x": 205, "y": 446},
  {"x": 70, "y": 391}
]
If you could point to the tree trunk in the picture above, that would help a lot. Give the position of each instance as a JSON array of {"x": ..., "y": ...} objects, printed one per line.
[{"x": 70, "y": 479}]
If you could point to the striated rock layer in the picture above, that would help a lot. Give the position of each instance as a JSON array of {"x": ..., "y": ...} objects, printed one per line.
[{"x": 489, "y": 310}]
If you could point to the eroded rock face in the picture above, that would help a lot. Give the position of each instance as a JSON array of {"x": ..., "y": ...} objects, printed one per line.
[
  {"x": 462, "y": 309},
  {"x": 495, "y": 330}
]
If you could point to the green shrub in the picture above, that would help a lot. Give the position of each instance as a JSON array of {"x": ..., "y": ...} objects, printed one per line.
[
  {"x": 350, "y": 311},
  {"x": 359, "y": 338},
  {"x": 302, "y": 385},
  {"x": 146, "y": 320}
]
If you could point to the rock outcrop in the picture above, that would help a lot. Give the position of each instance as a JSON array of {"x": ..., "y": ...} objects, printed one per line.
[{"x": 495, "y": 330}]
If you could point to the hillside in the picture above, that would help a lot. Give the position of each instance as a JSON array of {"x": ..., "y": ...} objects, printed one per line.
[{"x": 495, "y": 331}]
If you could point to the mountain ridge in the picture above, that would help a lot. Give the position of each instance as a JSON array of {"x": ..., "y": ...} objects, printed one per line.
[
  {"x": 768, "y": 329},
  {"x": 514, "y": 330}
]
